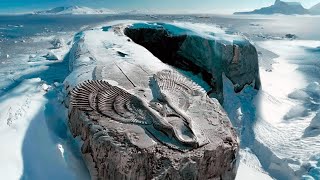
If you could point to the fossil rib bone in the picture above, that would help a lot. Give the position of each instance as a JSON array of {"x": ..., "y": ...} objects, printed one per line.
[{"x": 98, "y": 96}]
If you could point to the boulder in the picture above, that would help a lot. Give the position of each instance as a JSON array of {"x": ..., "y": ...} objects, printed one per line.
[
  {"x": 57, "y": 43},
  {"x": 210, "y": 56},
  {"x": 139, "y": 118}
]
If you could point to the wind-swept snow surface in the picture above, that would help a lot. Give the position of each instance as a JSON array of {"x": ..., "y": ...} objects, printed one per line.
[
  {"x": 279, "y": 123},
  {"x": 279, "y": 126},
  {"x": 36, "y": 141}
]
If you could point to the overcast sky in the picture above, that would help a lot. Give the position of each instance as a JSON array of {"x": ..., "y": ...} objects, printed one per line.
[{"x": 200, "y": 6}]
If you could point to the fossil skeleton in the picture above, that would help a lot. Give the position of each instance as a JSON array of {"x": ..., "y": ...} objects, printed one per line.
[{"x": 172, "y": 91}]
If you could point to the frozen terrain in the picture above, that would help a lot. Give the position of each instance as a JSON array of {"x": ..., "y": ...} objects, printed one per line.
[
  {"x": 279, "y": 125},
  {"x": 275, "y": 122},
  {"x": 75, "y": 10}
]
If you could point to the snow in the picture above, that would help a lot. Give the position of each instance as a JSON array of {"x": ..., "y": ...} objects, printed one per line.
[
  {"x": 31, "y": 151},
  {"x": 36, "y": 141},
  {"x": 273, "y": 121},
  {"x": 250, "y": 167},
  {"x": 245, "y": 172},
  {"x": 45, "y": 87},
  {"x": 279, "y": 125},
  {"x": 51, "y": 56},
  {"x": 199, "y": 29},
  {"x": 99, "y": 48},
  {"x": 75, "y": 10},
  {"x": 314, "y": 127}
]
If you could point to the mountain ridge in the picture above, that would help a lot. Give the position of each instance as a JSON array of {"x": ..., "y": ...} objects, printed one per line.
[
  {"x": 280, "y": 7},
  {"x": 315, "y": 10},
  {"x": 74, "y": 10}
]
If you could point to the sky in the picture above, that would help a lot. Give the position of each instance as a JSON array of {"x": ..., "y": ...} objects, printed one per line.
[{"x": 169, "y": 6}]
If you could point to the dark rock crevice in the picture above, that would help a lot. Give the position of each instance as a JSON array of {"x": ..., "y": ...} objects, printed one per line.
[{"x": 208, "y": 58}]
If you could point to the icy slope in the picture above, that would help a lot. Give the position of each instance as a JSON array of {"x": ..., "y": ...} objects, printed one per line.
[
  {"x": 31, "y": 150},
  {"x": 274, "y": 123},
  {"x": 36, "y": 142}
]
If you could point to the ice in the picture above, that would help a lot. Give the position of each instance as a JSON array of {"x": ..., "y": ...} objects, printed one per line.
[
  {"x": 278, "y": 123},
  {"x": 314, "y": 127},
  {"x": 315, "y": 123},
  {"x": 45, "y": 87},
  {"x": 314, "y": 88},
  {"x": 51, "y": 56},
  {"x": 36, "y": 141}
]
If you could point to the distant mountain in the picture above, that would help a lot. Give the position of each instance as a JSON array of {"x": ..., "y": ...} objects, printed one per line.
[
  {"x": 280, "y": 7},
  {"x": 74, "y": 10},
  {"x": 315, "y": 10}
]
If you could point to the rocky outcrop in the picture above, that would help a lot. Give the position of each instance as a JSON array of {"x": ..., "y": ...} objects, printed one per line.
[
  {"x": 139, "y": 118},
  {"x": 209, "y": 56}
]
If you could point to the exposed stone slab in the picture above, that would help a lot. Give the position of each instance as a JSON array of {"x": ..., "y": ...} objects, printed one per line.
[{"x": 141, "y": 119}]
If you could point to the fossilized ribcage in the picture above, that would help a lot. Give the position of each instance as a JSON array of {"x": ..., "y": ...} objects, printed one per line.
[
  {"x": 110, "y": 101},
  {"x": 177, "y": 89},
  {"x": 174, "y": 91},
  {"x": 171, "y": 80}
]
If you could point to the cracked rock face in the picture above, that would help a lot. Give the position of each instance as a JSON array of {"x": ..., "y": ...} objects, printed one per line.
[{"x": 141, "y": 121}]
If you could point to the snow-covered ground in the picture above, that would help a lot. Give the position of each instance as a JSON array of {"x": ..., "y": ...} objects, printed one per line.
[
  {"x": 34, "y": 136},
  {"x": 274, "y": 122},
  {"x": 278, "y": 125},
  {"x": 36, "y": 140},
  {"x": 287, "y": 103}
]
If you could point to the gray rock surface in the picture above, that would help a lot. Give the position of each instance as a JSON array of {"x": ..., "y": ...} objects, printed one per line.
[
  {"x": 139, "y": 118},
  {"x": 57, "y": 43},
  {"x": 208, "y": 56}
]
